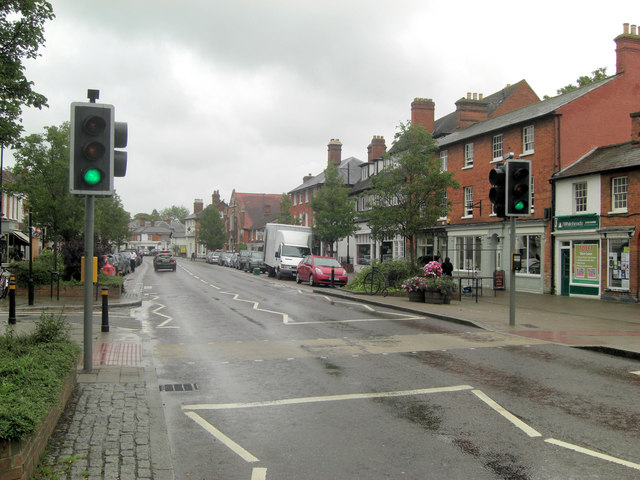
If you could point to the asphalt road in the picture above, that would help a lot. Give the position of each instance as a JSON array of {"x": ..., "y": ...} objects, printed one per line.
[{"x": 265, "y": 379}]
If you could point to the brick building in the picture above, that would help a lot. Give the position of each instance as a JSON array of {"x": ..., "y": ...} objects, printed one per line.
[
  {"x": 596, "y": 225},
  {"x": 246, "y": 216}
]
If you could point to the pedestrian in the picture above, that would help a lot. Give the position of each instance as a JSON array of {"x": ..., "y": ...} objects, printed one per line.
[
  {"x": 132, "y": 260},
  {"x": 447, "y": 267},
  {"x": 193, "y": 256}
]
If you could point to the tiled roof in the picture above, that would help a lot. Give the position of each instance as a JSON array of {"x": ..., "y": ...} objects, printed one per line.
[
  {"x": 609, "y": 158},
  {"x": 349, "y": 169},
  {"x": 253, "y": 205}
]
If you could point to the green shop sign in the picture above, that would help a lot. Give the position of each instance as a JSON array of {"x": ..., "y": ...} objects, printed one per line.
[{"x": 578, "y": 222}]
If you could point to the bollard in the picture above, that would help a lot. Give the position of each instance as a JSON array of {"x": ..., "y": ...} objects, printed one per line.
[
  {"x": 105, "y": 309},
  {"x": 12, "y": 300},
  {"x": 333, "y": 274}
]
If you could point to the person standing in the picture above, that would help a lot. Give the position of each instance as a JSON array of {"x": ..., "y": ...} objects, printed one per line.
[
  {"x": 447, "y": 267},
  {"x": 132, "y": 260}
]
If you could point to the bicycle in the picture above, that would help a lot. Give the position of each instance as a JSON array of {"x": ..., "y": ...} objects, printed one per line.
[
  {"x": 374, "y": 281},
  {"x": 5, "y": 275}
]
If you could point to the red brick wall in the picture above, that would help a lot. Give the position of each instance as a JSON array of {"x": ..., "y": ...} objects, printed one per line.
[{"x": 522, "y": 96}]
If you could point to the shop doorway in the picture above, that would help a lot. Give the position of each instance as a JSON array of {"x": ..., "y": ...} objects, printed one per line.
[{"x": 565, "y": 271}]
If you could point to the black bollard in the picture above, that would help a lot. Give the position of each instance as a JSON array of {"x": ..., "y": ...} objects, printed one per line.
[
  {"x": 12, "y": 300},
  {"x": 105, "y": 309},
  {"x": 333, "y": 273}
]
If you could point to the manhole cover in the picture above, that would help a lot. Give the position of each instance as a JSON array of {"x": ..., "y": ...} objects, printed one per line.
[{"x": 179, "y": 387}]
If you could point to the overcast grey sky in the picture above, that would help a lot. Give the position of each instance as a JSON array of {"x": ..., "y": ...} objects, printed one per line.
[{"x": 246, "y": 94}]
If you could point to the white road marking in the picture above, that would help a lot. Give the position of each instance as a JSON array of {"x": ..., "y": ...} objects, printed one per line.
[
  {"x": 636, "y": 373},
  {"x": 244, "y": 454},
  {"x": 327, "y": 398},
  {"x": 506, "y": 414},
  {"x": 592, "y": 453},
  {"x": 259, "y": 474}
]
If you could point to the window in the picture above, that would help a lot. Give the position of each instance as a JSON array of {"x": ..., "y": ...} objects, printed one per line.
[
  {"x": 497, "y": 147},
  {"x": 619, "y": 263},
  {"x": 444, "y": 206},
  {"x": 468, "y": 155},
  {"x": 619, "y": 188},
  {"x": 468, "y": 201},
  {"x": 444, "y": 160},
  {"x": 580, "y": 197},
  {"x": 306, "y": 196},
  {"x": 527, "y": 139},
  {"x": 528, "y": 246},
  {"x": 468, "y": 254}
]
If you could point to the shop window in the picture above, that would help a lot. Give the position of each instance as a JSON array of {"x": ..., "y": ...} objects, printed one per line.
[
  {"x": 528, "y": 246},
  {"x": 468, "y": 254},
  {"x": 364, "y": 254},
  {"x": 585, "y": 262},
  {"x": 619, "y": 264}
]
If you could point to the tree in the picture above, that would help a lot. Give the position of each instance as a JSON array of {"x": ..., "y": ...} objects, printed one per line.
[
  {"x": 211, "y": 232},
  {"x": 21, "y": 35},
  {"x": 334, "y": 215},
  {"x": 407, "y": 195},
  {"x": 111, "y": 220},
  {"x": 284, "y": 215},
  {"x": 583, "y": 81},
  {"x": 175, "y": 212}
]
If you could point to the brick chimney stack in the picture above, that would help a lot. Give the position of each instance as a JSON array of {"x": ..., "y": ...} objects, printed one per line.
[
  {"x": 306, "y": 178},
  {"x": 198, "y": 205},
  {"x": 628, "y": 49},
  {"x": 376, "y": 148},
  {"x": 422, "y": 113},
  {"x": 635, "y": 127},
  {"x": 471, "y": 110},
  {"x": 335, "y": 151}
]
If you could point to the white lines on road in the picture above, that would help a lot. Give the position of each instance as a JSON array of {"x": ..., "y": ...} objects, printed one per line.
[
  {"x": 636, "y": 372},
  {"x": 259, "y": 474},
  {"x": 168, "y": 320},
  {"x": 592, "y": 453},
  {"x": 506, "y": 414}
]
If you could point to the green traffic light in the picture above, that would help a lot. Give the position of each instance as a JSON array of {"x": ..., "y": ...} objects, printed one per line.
[
  {"x": 519, "y": 206},
  {"x": 92, "y": 176}
]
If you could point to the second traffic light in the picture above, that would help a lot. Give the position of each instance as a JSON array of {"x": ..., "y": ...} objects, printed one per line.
[
  {"x": 93, "y": 162},
  {"x": 518, "y": 187},
  {"x": 497, "y": 194}
]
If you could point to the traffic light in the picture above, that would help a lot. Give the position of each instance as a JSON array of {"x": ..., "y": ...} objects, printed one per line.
[
  {"x": 497, "y": 178},
  {"x": 93, "y": 162},
  {"x": 518, "y": 188}
]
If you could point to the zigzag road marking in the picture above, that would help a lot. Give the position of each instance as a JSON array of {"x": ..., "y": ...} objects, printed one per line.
[
  {"x": 236, "y": 296},
  {"x": 157, "y": 312}
]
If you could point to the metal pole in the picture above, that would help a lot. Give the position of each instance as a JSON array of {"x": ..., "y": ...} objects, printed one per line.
[
  {"x": 105, "y": 309},
  {"x": 12, "y": 300},
  {"x": 88, "y": 282},
  {"x": 30, "y": 285},
  {"x": 512, "y": 273}
]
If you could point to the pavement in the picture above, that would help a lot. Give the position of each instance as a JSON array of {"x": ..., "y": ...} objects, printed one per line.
[{"x": 114, "y": 427}]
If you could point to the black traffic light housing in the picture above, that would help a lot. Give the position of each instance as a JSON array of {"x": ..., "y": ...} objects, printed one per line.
[
  {"x": 93, "y": 162},
  {"x": 497, "y": 194},
  {"x": 518, "y": 188}
]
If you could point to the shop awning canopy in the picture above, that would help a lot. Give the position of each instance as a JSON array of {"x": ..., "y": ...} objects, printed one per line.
[{"x": 21, "y": 237}]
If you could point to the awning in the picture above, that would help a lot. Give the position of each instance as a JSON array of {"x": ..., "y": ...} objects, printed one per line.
[{"x": 21, "y": 237}]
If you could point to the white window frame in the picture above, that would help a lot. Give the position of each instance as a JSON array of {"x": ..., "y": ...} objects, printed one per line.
[
  {"x": 468, "y": 155},
  {"x": 497, "y": 148},
  {"x": 444, "y": 160},
  {"x": 468, "y": 202},
  {"x": 528, "y": 139},
  {"x": 619, "y": 194},
  {"x": 579, "y": 197},
  {"x": 444, "y": 207}
]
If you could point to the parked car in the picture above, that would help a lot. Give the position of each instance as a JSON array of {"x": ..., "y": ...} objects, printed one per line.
[
  {"x": 232, "y": 261},
  {"x": 164, "y": 261},
  {"x": 123, "y": 265},
  {"x": 212, "y": 257},
  {"x": 222, "y": 258},
  {"x": 317, "y": 270},
  {"x": 256, "y": 260},
  {"x": 243, "y": 259}
]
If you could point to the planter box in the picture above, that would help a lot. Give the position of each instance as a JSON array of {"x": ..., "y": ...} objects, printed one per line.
[{"x": 19, "y": 458}]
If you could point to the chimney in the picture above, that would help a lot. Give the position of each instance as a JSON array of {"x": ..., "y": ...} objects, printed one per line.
[
  {"x": 198, "y": 205},
  {"x": 215, "y": 197},
  {"x": 422, "y": 113},
  {"x": 635, "y": 127},
  {"x": 306, "y": 178},
  {"x": 627, "y": 49},
  {"x": 376, "y": 148},
  {"x": 335, "y": 151},
  {"x": 471, "y": 110}
]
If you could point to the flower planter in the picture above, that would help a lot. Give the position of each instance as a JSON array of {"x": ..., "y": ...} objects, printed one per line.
[
  {"x": 416, "y": 296},
  {"x": 436, "y": 297}
]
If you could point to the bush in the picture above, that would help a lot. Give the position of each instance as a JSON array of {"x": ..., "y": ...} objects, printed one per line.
[
  {"x": 394, "y": 271},
  {"x": 33, "y": 368},
  {"x": 41, "y": 273}
]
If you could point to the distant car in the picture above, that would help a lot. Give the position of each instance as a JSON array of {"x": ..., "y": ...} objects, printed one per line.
[
  {"x": 243, "y": 259},
  {"x": 164, "y": 261},
  {"x": 317, "y": 270},
  {"x": 232, "y": 261},
  {"x": 212, "y": 257},
  {"x": 222, "y": 258},
  {"x": 256, "y": 260},
  {"x": 123, "y": 265}
]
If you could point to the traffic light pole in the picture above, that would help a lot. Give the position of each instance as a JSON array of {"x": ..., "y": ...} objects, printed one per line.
[
  {"x": 88, "y": 283},
  {"x": 512, "y": 272}
]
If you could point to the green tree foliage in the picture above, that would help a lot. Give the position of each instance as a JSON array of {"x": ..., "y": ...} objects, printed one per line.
[
  {"x": 583, "y": 81},
  {"x": 408, "y": 193},
  {"x": 334, "y": 214},
  {"x": 111, "y": 220},
  {"x": 21, "y": 35},
  {"x": 285, "y": 216},
  {"x": 174, "y": 212},
  {"x": 211, "y": 232}
]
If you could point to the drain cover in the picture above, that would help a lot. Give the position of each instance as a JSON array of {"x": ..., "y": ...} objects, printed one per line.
[{"x": 179, "y": 387}]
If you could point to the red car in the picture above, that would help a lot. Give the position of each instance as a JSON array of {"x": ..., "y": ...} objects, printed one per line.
[{"x": 317, "y": 270}]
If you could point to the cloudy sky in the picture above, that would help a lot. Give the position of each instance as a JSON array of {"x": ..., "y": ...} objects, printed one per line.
[{"x": 246, "y": 94}]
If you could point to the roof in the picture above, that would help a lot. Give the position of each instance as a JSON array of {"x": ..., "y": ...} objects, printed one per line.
[
  {"x": 524, "y": 114},
  {"x": 253, "y": 206},
  {"x": 349, "y": 169},
  {"x": 608, "y": 158}
]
